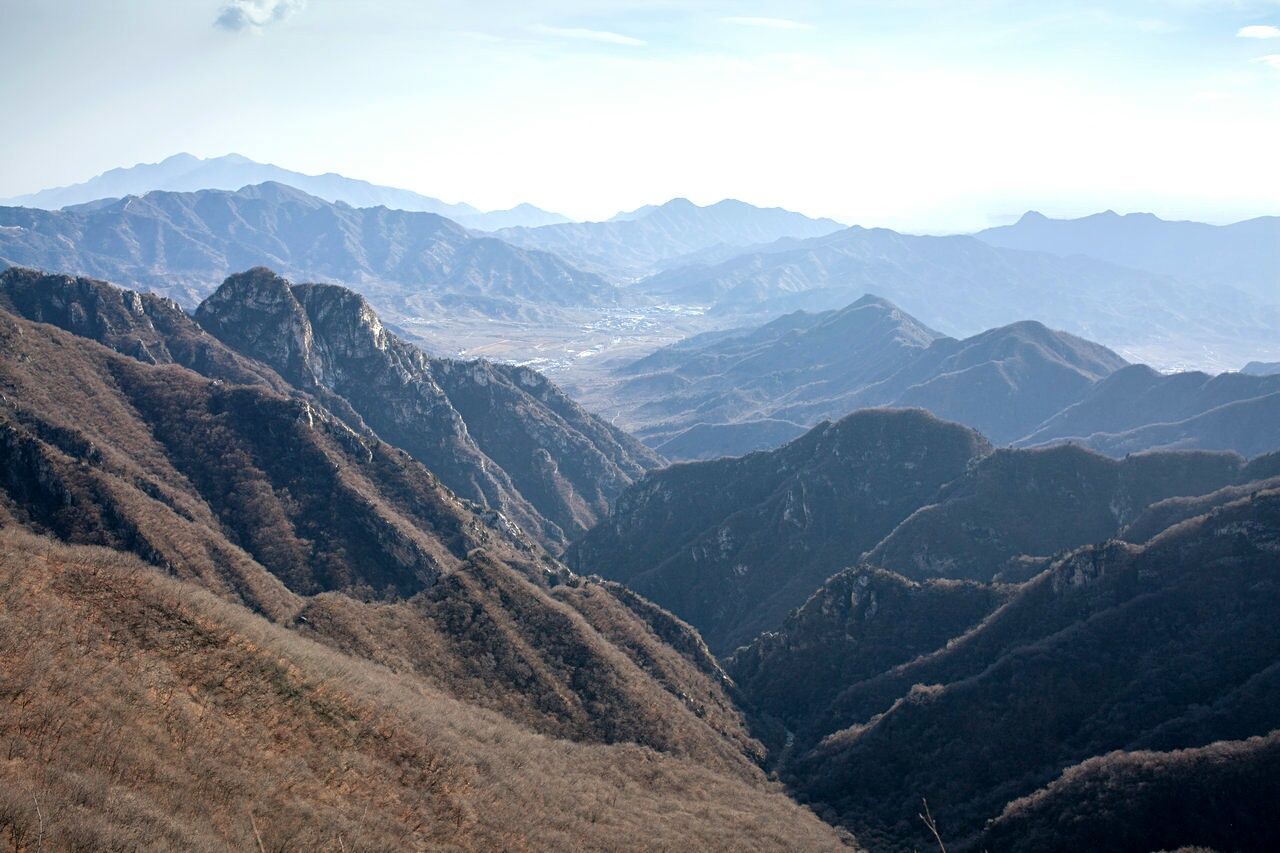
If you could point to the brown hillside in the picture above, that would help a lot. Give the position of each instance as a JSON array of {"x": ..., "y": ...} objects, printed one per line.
[{"x": 139, "y": 712}]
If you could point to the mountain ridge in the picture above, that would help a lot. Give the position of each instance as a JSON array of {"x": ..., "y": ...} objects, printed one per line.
[
  {"x": 961, "y": 285},
  {"x": 183, "y": 244},
  {"x": 186, "y": 173},
  {"x": 1024, "y": 385},
  {"x": 1243, "y": 254},
  {"x": 632, "y": 244}
]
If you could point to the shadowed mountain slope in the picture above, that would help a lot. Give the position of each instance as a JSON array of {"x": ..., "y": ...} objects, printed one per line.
[
  {"x": 1162, "y": 646},
  {"x": 1036, "y": 503},
  {"x": 1214, "y": 797},
  {"x": 734, "y": 544},
  {"x": 861, "y": 622}
]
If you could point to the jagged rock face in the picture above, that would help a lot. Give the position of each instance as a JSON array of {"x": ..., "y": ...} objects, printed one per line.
[
  {"x": 734, "y": 544},
  {"x": 501, "y": 436},
  {"x": 149, "y": 328}
]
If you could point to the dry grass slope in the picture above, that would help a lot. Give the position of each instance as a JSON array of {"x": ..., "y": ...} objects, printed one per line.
[{"x": 139, "y": 712}]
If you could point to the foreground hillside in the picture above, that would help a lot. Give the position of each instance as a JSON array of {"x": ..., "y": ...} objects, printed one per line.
[{"x": 140, "y": 712}]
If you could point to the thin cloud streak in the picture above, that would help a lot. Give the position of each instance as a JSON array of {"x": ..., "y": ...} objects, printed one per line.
[
  {"x": 770, "y": 23},
  {"x": 583, "y": 34},
  {"x": 1259, "y": 31}
]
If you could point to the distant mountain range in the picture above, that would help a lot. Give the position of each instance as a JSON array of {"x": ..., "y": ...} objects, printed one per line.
[
  {"x": 1261, "y": 368},
  {"x": 727, "y": 393},
  {"x": 183, "y": 245},
  {"x": 1245, "y": 255},
  {"x": 961, "y": 285},
  {"x": 185, "y": 173},
  {"x": 635, "y": 244}
]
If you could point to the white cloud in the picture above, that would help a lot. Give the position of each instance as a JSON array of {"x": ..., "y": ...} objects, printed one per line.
[
  {"x": 1271, "y": 59},
  {"x": 1259, "y": 31},
  {"x": 254, "y": 15},
  {"x": 603, "y": 36},
  {"x": 771, "y": 23}
]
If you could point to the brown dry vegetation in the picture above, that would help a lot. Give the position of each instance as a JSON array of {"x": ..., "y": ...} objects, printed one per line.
[
  {"x": 140, "y": 712},
  {"x": 344, "y": 543}
]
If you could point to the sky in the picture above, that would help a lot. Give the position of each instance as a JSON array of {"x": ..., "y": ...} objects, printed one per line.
[{"x": 922, "y": 115}]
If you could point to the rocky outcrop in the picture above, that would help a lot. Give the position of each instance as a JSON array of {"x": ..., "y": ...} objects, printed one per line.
[
  {"x": 144, "y": 326},
  {"x": 502, "y": 436}
]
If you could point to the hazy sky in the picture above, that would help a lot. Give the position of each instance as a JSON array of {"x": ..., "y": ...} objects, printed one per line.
[{"x": 921, "y": 114}]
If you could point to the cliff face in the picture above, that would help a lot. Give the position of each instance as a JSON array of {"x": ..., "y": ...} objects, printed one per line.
[{"x": 502, "y": 436}]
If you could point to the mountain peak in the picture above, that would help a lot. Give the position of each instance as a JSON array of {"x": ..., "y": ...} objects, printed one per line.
[
  {"x": 870, "y": 299},
  {"x": 181, "y": 158}
]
